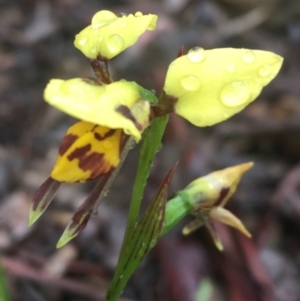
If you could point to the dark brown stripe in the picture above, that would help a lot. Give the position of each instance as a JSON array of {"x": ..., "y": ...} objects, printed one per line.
[
  {"x": 223, "y": 193},
  {"x": 106, "y": 135},
  {"x": 79, "y": 152},
  {"x": 68, "y": 140},
  {"x": 125, "y": 111}
]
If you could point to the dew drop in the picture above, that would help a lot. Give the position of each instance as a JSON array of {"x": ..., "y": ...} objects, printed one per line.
[
  {"x": 123, "y": 24},
  {"x": 115, "y": 43},
  {"x": 190, "y": 82},
  {"x": 196, "y": 55},
  {"x": 103, "y": 16},
  {"x": 100, "y": 38},
  {"x": 108, "y": 145},
  {"x": 153, "y": 91},
  {"x": 95, "y": 31},
  {"x": 231, "y": 68},
  {"x": 98, "y": 25},
  {"x": 121, "y": 277},
  {"x": 249, "y": 56},
  {"x": 235, "y": 94},
  {"x": 82, "y": 40},
  {"x": 153, "y": 242},
  {"x": 93, "y": 49},
  {"x": 82, "y": 107},
  {"x": 120, "y": 15},
  {"x": 95, "y": 212},
  {"x": 138, "y": 14},
  {"x": 265, "y": 70}
]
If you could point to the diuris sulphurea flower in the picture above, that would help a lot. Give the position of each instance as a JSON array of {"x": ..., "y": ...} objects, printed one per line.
[
  {"x": 119, "y": 105},
  {"x": 109, "y": 34},
  {"x": 204, "y": 86},
  {"x": 88, "y": 151},
  {"x": 209, "y": 86}
]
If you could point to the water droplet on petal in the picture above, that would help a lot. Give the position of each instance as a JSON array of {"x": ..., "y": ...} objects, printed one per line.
[
  {"x": 82, "y": 107},
  {"x": 103, "y": 16},
  {"x": 123, "y": 24},
  {"x": 190, "y": 82},
  {"x": 196, "y": 55},
  {"x": 115, "y": 43},
  {"x": 120, "y": 15},
  {"x": 249, "y": 56},
  {"x": 231, "y": 68},
  {"x": 100, "y": 38},
  {"x": 138, "y": 14},
  {"x": 265, "y": 70},
  {"x": 93, "y": 49},
  {"x": 107, "y": 144},
  {"x": 82, "y": 40},
  {"x": 98, "y": 25},
  {"x": 235, "y": 94},
  {"x": 95, "y": 31}
]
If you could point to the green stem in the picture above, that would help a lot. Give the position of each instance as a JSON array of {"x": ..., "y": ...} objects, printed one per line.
[
  {"x": 177, "y": 208},
  {"x": 150, "y": 145}
]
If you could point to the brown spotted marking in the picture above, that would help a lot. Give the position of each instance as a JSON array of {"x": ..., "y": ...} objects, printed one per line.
[
  {"x": 93, "y": 162},
  {"x": 110, "y": 133},
  {"x": 67, "y": 142},
  {"x": 125, "y": 111},
  {"x": 79, "y": 152},
  {"x": 80, "y": 220},
  {"x": 223, "y": 193}
]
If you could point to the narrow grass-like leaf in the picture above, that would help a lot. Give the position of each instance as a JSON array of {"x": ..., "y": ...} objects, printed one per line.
[
  {"x": 150, "y": 145},
  {"x": 143, "y": 238}
]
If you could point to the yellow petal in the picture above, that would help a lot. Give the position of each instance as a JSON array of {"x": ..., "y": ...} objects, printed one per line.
[
  {"x": 212, "y": 85},
  {"x": 108, "y": 34},
  {"x": 226, "y": 217},
  {"x": 87, "y": 152},
  {"x": 121, "y": 104}
]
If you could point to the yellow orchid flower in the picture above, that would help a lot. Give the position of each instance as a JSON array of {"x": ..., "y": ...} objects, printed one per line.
[
  {"x": 119, "y": 105},
  {"x": 210, "y": 194},
  {"x": 88, "y": 151},
  {"x": 209, "y": 86},
  {"x": 109, "y": 34}
]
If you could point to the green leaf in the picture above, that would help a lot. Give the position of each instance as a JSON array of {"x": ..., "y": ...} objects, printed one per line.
[
  {"x": 150, "y": 145},
  {"x": 143, "y": 238}
]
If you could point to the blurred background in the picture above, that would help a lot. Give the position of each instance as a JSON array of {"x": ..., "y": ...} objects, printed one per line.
[{"x": 36, "y": 44}]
